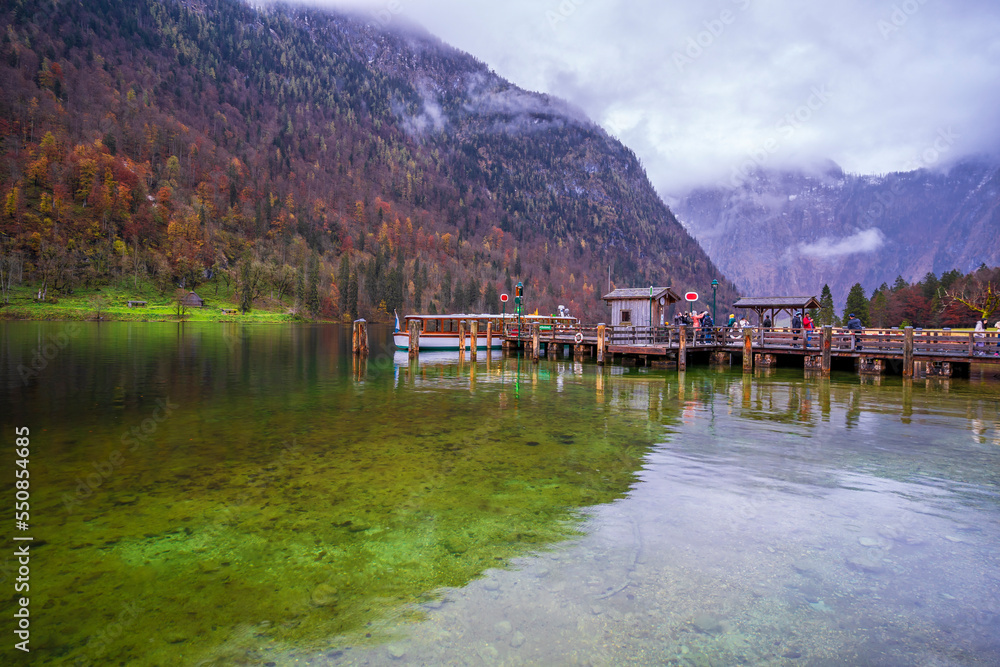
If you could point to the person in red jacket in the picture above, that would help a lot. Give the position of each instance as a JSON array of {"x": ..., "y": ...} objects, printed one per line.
[{"x": 807, "y": 324}]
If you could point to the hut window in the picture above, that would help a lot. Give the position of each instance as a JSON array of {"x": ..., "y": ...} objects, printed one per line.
[
  {"x": 432, "y": 326},
  {"x": 626, "y": 316}
]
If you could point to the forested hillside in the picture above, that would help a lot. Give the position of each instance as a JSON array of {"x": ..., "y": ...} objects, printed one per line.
[{"x": 308, "y": 159}]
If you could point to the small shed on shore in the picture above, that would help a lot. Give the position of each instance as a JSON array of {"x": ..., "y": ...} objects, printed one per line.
[
  {"x": 634, "y": 306},
  {"x": 775, "y": 305},
  {"x": 192, "y": 300}
]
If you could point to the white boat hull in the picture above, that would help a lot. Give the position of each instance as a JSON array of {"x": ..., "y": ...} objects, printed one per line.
[{"x": 430, "y": 341}]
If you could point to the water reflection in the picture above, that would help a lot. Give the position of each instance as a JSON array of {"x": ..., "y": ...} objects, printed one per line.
[
  {"x": 297, "y": 500},
  {"x": 782, "y": 522},
  {"x": 291, "y": 494}
]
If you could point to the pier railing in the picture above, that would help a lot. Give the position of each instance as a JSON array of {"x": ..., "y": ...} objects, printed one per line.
[
  {"x": 883, "y": 342},
  {"x": 930, "y": 343}
]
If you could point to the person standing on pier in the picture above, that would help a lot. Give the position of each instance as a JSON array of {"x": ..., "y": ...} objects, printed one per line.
[
  {"x": 807, "y": 324},
  {"x": 707, "y": 323},
  {"x": 854, "y": 326},
  {"x": 980, "y": 333}
]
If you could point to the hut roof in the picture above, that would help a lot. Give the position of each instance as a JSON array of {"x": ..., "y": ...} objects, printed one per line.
[
  {"x": 623, "y": 293},
  {"x": 777, "y": 302}
]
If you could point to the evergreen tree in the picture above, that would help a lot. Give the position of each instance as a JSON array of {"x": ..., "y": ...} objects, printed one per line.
[
  {"x": 492, "y": 298},
  {"x": 930, "y": 285},
  {"x": 900, "y": 284},
  {"x": 826, "y": 307},
  {"x": 312, "y": 294},
  {"x": 948, "y": 278},
  {"x": 857, "y": 304},
  {"x": 472, "y": 295},
  {"x": 352, "y": 296},
  {"x": 446, "y": 289},
  {"x": 300, "y": 287},
  {"x": 394, "y": 287},
  {"x": 418, "y": 285},
  {"x": 517, "y": 266},
  {"x": 879, "y": 309},
  {"x": 343, "y": 278}
]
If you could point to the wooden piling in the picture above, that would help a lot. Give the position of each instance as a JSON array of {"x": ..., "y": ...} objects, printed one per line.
[
  {"x": 473, "y": 339},
  {"x": 826, "y": 347},
  {"x": 747, "y": 350},
  {"x": 908, "y": 352},
  {"x": 414, "y": 349},
  {"x": 600, "y": 343},
  {"x": 682, "y": 349},
  {"x": 534, "y": 343},
  {"x": 461, "y": 339},
  {"x": 359, "y": 338},
  {"x": 489, "y": 338}
]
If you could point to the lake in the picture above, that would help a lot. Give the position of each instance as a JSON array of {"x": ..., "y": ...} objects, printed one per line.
[{"x": 219, "y": 494}]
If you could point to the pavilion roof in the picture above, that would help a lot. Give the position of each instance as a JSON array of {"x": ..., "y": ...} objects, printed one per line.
[
  {"x": 641, "y": 293},
  {"x": 777, "y": 303}
]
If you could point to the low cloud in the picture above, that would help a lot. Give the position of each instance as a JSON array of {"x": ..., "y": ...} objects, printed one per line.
[
  {"x": 864, "y": 241},
  {"x": 431, "y": 117}
]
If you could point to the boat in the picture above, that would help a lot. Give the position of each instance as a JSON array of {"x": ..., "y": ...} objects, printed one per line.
[{"x": 440, "y": 332}]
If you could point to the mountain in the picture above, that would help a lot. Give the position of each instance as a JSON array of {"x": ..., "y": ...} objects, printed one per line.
[
  {"x": 269, "y": 147},
  {"x": 789, "y": 232}
]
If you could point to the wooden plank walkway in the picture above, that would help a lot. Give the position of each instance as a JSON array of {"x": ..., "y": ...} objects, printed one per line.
[{"x": 907, "y": 345}]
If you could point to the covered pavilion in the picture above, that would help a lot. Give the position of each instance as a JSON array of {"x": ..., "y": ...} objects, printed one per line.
[{"x": 774, "y": 305}]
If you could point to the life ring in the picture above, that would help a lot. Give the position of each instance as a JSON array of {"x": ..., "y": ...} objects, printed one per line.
[{"x": 578, "y": 337}]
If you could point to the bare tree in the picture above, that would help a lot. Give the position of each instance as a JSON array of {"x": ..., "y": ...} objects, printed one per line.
[
  {"x": 982, "y": 296},
  {"x": 99, "y": 303},
  {"x": 11, "y": 262}
]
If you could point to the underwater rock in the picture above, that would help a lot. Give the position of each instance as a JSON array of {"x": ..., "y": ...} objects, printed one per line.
[
  {"x": 868, "y": 542},
  {"x": 865, "y": 564},
  {"x": 707, "y": 624},
  {"x": 323, "y": 595},
  {"x": 395, "y": 652},
  {"x": 208, "y": 566},
  {"x": 517, "y": 641},
  {"x": 503, "y": 627}
]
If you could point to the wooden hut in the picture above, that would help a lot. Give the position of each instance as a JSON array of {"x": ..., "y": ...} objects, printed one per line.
[
  {"x": 192, "y": 300},
  {"x": 776, "y": 305},
  {"x": 636, "y": 306}
]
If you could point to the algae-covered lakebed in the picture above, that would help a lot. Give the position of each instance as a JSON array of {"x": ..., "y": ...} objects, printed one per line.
[{"x": 238, "y": 494}]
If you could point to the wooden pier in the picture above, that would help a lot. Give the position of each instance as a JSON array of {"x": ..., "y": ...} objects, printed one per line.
[{"x": 908, "y": 352}]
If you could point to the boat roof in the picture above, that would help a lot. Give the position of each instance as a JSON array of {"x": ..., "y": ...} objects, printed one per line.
[{"x": 476, "y": 316}]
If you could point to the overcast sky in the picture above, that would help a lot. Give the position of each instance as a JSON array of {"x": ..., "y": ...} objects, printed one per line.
[{"x": 703, "y": 90}]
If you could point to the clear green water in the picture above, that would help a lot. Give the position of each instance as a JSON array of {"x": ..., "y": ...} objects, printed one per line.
[{"x": 293, "y": 507}]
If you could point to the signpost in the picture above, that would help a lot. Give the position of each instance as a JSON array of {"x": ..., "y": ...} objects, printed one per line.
[
  {"x": 518, "y": 299},
  {"x": 715, "y": 286},
  {"x": 690, "y": 297},
  {"x": 503, "y": 300}
]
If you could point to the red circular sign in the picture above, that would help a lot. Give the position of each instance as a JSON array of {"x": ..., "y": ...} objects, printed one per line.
[
  {"x": 690, "y": 296},
  {"x": 503, "y": 297}
]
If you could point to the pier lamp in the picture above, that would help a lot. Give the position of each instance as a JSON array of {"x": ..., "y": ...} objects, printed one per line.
[{"x": 715, "y": 287}]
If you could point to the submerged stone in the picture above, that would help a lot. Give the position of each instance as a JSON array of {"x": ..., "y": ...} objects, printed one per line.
[{"x": 707, "y": 624}]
